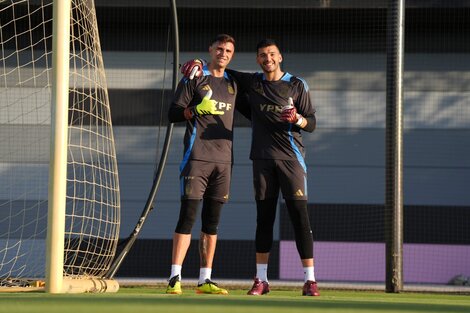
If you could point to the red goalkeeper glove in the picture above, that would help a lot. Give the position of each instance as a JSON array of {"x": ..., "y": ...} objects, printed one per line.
[
  {"x": 193, "y": 68},
  {"x": 289, "y": 114}
]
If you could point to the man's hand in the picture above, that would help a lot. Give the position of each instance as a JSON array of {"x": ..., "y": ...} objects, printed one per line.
[
  {"x": 290, "y": 115},
  {"x": 289, "y": 112},
  {"x": 193, "y": 68},
  {"x": 207, "y": 106}
]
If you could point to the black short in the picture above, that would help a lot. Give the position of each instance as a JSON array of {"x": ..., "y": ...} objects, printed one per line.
[
  {"x": 200, "y": 179},
  {"x": 271, "y": 175}
]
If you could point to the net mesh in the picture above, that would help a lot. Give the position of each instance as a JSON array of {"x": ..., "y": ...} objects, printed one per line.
[{"x": 92, "y": 202}]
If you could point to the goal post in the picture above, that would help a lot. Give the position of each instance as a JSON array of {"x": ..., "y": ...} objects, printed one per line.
[
  {"x": 59, "y": 183},
  {"x": 59, "y": 134}
]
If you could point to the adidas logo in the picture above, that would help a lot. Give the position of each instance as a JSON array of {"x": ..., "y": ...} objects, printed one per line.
[
  {"x": 299, "y": 193},
  {"x": 206, "y": 87}
]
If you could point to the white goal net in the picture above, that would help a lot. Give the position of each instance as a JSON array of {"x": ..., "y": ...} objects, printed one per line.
[{"x": 92, "y": 201}]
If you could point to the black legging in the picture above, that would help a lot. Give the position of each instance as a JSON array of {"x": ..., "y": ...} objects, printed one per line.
[
  {"x": 266, "y": 215},
  {"x": 210, "y": 216}
]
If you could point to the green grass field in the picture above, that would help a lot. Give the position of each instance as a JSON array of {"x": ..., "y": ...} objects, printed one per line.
[{"x": 146, "y": 299}]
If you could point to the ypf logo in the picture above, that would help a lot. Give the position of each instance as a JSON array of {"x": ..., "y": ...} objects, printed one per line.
[
  {"x": 224, "y": 106},
  {"x": 270, "y": 108}
]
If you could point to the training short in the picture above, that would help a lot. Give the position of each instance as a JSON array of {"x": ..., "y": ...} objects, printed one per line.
[
  {"x": 200, "y": 179},
  {"x": 287, "y": 175}
]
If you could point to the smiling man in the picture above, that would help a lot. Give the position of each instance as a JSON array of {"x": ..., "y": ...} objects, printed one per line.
[{"x": 207, "y": 106}]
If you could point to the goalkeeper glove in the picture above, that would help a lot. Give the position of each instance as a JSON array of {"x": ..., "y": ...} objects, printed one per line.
[
  {"x": 207, "y": 106},
  {"x": 193, "y": 68},
  {"x": 289, "y": 114}
]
